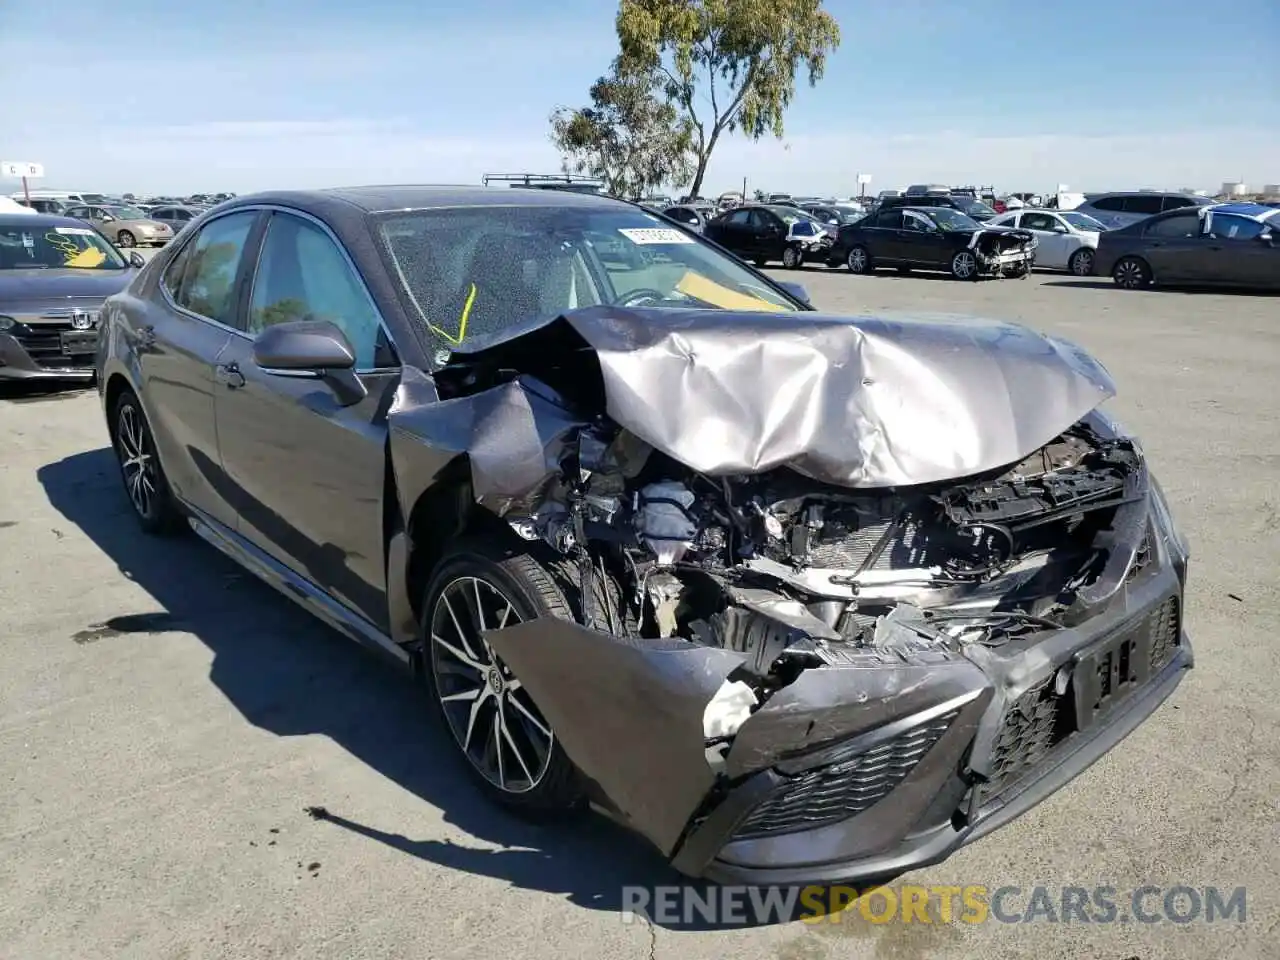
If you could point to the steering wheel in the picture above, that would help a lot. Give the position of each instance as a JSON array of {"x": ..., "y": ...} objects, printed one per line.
[{"x": 635, "y": 298}]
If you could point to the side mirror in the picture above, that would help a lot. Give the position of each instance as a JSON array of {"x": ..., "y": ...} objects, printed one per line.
[
  {"x": 1267, "y": 237},
  {"x": 797, "y": 290},
  {"x": 313, "y": 350},
  {"x": 108, "y": 218},
  {"x": 137, "y": 260}
]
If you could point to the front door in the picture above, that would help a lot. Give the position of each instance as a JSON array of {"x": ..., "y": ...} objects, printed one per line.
[
  {"x": 180, "y": 335},
  {"x": 1051, "y": 236},
  {"x": 920, "y": 241},
  {"x": 1237, "y": 254},
  {"x": 307, "y": 474}
]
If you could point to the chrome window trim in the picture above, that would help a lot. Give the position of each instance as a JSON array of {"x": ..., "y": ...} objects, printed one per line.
[{"x": 292, "y": 211}]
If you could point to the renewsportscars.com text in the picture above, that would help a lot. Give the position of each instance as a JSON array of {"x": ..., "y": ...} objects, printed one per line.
[{"x": 909, "y": 903}]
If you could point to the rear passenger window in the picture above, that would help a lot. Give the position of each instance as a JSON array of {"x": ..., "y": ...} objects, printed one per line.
[
  {"x": 1147, "y": 204},
  {"x": 1112, "y": 204},
  {"x": 1182, "y": 225},
  {"x": 209, "y": 278},
  {"x": 1177, "y": 203}
]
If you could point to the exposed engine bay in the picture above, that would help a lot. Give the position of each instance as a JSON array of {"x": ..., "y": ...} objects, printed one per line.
[
  {"x": 999, "y": 251},
  {"x": 793, "y": 574},
  {"x": 822, "y": 558}
]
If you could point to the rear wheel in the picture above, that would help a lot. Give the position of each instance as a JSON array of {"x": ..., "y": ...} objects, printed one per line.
[
  {"x": 1131, "y": 274},
  {"x": 140, "y": 469},
  {"x": 964, "y": 265},
  {"x": 508, "y": 746},
  {"x": 760, "y": 262},
  {"x": 126, "y": 239},
  {"x": 1081, "y": 262}
]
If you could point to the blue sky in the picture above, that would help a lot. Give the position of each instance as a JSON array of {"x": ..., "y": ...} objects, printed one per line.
[{"x": 156, "y": 96}]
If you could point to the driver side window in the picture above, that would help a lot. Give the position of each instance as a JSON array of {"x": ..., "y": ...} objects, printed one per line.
[{"x": 303, "y": 275}]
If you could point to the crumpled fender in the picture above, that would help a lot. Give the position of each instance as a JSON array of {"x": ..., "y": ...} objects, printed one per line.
[{"x": 629, "y": 713}]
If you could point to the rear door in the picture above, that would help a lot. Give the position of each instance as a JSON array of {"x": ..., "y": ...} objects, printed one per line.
[
  {"x": 883, "y": 237},
  {"x": 1176, "y": 248},
  {"x": 730, "y": 231},
  {"x": 188, "y": 321},
  {"x": 305, "y": 473},
  {"x": 768, "y": 235}
]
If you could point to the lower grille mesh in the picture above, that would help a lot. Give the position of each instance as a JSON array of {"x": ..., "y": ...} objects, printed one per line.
[
  {"x": 1032, "y": 727},
  {"x": 1166, "y": 633},
  {"x": 839, "y": 791}
]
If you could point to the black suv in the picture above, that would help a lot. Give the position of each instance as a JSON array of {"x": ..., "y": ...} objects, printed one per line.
[{"x": 971, "y": 206}]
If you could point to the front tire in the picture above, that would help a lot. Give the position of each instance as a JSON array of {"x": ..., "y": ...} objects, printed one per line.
[
  {"x": 792, "y": 258},
  {"x": 503, "y": 740},
  {"x": 126, "y": 239},
  {"x": 964, "y": 265},
  {"x": 858, "y": 260},
  {"x": 144, "y": 481},
  {"x": 1081, "y": 262},
  {"x": 1131, "y": 273}
]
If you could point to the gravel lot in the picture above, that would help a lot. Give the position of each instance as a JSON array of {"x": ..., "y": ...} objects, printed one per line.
[{"x": 165, "y": 719}]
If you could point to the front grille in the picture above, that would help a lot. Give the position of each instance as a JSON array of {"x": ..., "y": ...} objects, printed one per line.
[
  {"x": 1166, "y": 632},
  {"x": 841, "y": 790},
  {"x": 43, "y": 344}
]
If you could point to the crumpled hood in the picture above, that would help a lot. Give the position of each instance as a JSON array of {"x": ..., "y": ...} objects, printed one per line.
[{"x": 855, "y": 401}]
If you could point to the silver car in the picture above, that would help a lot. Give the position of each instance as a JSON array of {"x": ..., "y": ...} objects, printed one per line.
[{"x": 1117, "y": 210}]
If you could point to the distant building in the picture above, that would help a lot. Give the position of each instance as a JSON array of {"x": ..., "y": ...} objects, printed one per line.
[
  {"x": 1234, "y": 188},
  {"x": 1271, "y": 190}
]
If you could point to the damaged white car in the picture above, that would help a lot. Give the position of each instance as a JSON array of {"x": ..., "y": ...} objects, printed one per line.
[{"x": 799, "y": 598}]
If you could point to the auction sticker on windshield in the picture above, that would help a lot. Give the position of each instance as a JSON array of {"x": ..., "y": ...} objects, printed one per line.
[
  {"x": 74, "y": 231},
  {"x": 644, "y": 236}
]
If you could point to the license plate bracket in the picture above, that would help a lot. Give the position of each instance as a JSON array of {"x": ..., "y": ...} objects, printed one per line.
[
  {"x": 1108, "y": 672},
  {"x": 78, "y": 342}
]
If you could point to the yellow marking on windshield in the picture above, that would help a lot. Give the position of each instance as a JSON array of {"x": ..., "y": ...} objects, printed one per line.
[
  {"x": 462, "y": 321},
  {"x": 72, "y": 254},
  {"x": 88, "y": 258},
  {"x": 695, "y": 285}
]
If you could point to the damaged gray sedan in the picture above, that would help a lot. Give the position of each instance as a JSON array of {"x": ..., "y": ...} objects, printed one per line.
[{"x": 799, "y": 598}]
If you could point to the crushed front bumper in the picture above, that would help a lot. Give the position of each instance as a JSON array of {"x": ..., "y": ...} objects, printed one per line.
[{"x": 975, "y": 744}]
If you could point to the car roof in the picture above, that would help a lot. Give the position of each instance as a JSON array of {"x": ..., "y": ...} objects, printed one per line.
[
  {"x": 386, "y": 199},
  {"x": 1255, "y": 211},
  {"x": 1147, "y": 193},
  {"x": 40, "y": 220}
]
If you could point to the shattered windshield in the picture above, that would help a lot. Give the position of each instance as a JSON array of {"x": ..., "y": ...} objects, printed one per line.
[
  {"x": 42, "y": 247},
  {"x": 474, "y": 271}
]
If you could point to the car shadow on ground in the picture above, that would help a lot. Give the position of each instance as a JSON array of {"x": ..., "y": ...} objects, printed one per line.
[
  {"x": 39, "y": 391},
  {"x": 1099, "y": 284},
  {"x": 287, "y": 673}
]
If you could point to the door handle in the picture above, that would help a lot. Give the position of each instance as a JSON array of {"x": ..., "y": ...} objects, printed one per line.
[{"x": 229, "y": 373}]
